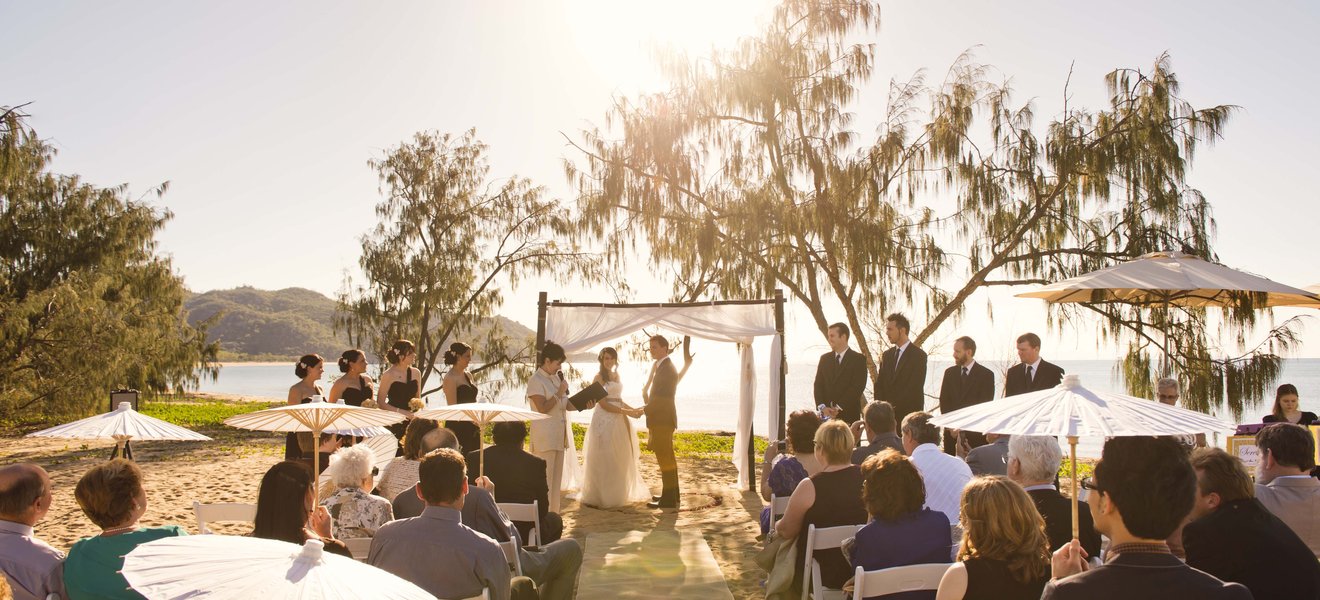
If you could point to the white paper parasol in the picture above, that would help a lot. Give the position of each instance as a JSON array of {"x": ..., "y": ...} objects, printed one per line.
[
  {"x": 121, "y": 424},
  {"x": 316, "y": 416},
  {"x": 223, "y": 567},
  {"x": 1072, "y": 411},
  {"x": 481, "y": 413}
]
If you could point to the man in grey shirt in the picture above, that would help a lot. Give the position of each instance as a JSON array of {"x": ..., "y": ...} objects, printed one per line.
[
  {"x": 27, "y": 562},
  {"x": 990, "y": 459},
  {"x": 436, "y": 551}
]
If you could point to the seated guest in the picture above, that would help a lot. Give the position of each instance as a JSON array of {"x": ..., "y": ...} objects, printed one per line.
[
  {"x": 417, "y": 549},
  {"x": 401, "y": 473},
  {"x": 408, "y": 504},
  {"x": 287, "y": 509},
  {"x": 330, "y": 442},
  {"x": 1231, "y": 536},
  {"x": 1033, "y": 463},
  {"x": 519, "y": 476},
  {"x": 1286, "y": 408},
  {"x": 355, "y": 513},
  {"x": 878, "y": 421},
  {"x": 901, "y": 531},
  {"x": 990, "y": 458},
  {"x": 1284, "y": 484},
  {"x": 1004, "y": 554},
  {"x": 830, "y": 498},
  {"x": 28, "y": 562},
  {"x": 781, "y": 477},
  {"x": 1142, "y": 490},
  {"x": 111, "y": 496},
  {"x": 943, "y": 475}
]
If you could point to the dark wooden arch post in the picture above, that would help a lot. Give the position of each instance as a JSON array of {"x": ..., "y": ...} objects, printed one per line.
[
  {"x": 783, "y": 359},
  {"x": 541, "y": 308}
]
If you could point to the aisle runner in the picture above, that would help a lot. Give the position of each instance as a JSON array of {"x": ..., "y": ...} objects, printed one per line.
[{"x": 656, "y": 564}]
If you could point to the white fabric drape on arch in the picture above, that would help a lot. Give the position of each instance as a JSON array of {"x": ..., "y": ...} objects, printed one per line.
[{"x": 579, "y": 328}]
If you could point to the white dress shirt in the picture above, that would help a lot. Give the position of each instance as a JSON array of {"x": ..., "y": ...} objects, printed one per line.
[
  {"x": 27, "y": 561},
  {"x": 944, "y": 476}
]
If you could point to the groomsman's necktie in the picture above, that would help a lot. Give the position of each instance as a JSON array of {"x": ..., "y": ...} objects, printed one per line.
[
  {"x": 1030, "y": 376},
  {"x": 966, "y": 370},
  {"x": 840, "y": 357}
]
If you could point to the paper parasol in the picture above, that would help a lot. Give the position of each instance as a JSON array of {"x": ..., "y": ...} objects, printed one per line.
[
  {"x": 121, "y": 424},
  {"x": 481, "y": 413}
]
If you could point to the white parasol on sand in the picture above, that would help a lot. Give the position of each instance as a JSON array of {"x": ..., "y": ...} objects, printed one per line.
[
  {"x": 223, "y": 567},
  {"x": 481, "y": 413},
  {"x": 121, "y": 425},
  {"x": 317, "y": 417},
  {"x": 1072, "y": 411}
]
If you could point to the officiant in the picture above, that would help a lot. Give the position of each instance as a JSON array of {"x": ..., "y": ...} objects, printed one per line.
[{"x": 547, "y": 393}]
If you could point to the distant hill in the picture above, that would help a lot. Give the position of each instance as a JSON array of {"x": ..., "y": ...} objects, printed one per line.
[{"x": 281, "y": 324}]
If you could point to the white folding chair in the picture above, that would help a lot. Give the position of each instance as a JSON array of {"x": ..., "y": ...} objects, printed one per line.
[
  {"x": 359, "y": 547},
  {"x": 529, "y": 513},
  {"x": 823, "y": 538},
  {"x": 910, "y": 578},
  {"x": 510, "y": 549},
  {"x": 778, "y": 506},
  {"x": 223, "y": 511}
]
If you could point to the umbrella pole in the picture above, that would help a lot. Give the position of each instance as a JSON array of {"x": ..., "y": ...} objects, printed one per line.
[
  {"x": 481, "y": 439},
  {"x": 1072, "y": 454},
  {"x": 316, "y": 469}
]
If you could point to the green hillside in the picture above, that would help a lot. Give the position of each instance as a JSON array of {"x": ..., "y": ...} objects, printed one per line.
[{"x": 280, "y": 324}]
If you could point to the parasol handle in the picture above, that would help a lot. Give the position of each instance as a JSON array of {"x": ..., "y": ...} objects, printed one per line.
[{"x": 1072, "y": 454}]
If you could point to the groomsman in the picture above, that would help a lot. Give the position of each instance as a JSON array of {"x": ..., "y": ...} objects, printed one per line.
[
  {"x": 966, "y": 383},
  {"x": 841, "y": 376},
  {"x": 1032, "y": 374},
  {"x": 902, "y": 378}
]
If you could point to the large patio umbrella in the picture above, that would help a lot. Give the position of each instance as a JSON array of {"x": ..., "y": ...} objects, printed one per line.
[
  {"x": 316, "y": 416},
  {"x": 121, "y": 425},
  {"x": 481, "y": 413},
  {"x": 1161, "y": 278},
  {"x": 222, "y": 567},
  {"x": 1073, "y": 411}
]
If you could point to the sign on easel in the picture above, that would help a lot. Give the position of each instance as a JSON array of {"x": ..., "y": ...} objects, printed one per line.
[{"x": 1244, "y": 447}]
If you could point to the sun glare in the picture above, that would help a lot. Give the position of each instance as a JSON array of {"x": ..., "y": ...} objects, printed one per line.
[{"x": 622, "y": 36}]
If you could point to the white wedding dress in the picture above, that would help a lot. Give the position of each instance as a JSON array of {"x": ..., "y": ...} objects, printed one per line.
[{"x": 613, "y": 476}]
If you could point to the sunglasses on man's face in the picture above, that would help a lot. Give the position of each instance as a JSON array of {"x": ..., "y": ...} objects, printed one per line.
[{"x": 1089, "y": 484}]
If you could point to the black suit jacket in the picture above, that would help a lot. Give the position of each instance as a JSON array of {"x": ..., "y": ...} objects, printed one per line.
[
  {"x": 519, "y": 476},
  {"x": 1047, "y": 376},
  {"x": 902, "y": 381},
  {"x": 1242, "y": 542},
  {"x": 660, "y": 411},
  {"x": 842, "y": 384},
  {"x": 1142, "y": 576},
  {"x": 958, "y": 392},
  {"x": 1057, "y": 511}
]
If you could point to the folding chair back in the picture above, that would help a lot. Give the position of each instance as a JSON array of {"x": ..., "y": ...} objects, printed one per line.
[
  {"x": 778, "y": 506},
  {"x": 358, "y": 547},
  {"x": 510, "y": 549},
  {"x": 910, "y": 578},
  {"x": 822, "y": 539},
  {"x": 527, "y": 513},
  {"x": 224, "y": 511}
]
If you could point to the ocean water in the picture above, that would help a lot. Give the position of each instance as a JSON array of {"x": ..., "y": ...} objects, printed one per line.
[{"x": 708, "y": 394}]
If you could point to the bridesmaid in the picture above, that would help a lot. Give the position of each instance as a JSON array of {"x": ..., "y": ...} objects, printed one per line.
[
  {"x": 309, "y": 370},
  {"x": 399, "y": 384},
  {"x": 459, "y": 389},
  {"x": 355, "y": 387}
]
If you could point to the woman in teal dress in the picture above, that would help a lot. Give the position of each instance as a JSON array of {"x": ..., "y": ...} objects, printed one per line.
[{"x": 111, "y": 495}]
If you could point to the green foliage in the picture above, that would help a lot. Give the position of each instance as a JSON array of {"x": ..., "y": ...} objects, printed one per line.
[
  {"x": 748, "y": 173},
  {"x": 696, "y": 444},
  {"x": 200, "y": 414},
  {"x": 449, "y": 238},
  {"x": 86, "y": 304},
  {"x": 278, "y": 324}
]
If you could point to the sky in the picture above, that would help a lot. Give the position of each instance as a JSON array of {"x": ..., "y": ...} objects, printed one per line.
[{"x": 263, "y": 115}]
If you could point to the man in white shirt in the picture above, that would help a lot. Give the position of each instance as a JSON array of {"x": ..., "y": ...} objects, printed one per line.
[
  {"x": 944, "y": 475},
  {"x": 26, "y": 561},
  {"x": 1283, "y": 482}
]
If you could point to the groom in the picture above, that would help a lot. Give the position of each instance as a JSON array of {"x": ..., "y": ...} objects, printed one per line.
[{"x": 662, "y": 420}]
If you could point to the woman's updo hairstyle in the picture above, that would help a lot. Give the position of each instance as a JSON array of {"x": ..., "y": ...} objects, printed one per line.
[
  {"x": 399, "y": 350},
  {"x": 455, "y": 351},
  {"x": 306, "y": 363},
  {"x": 349, "y": 357}
]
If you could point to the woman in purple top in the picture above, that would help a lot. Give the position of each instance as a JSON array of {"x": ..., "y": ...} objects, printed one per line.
[
  {"x": 781, "y": 477},
  {"x": 901, "y": 532}
]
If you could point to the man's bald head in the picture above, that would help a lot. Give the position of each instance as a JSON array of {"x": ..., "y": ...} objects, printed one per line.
[{"x": 24, "y": 493}]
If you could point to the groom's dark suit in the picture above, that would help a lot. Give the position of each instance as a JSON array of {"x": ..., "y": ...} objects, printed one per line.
[
  {"x": 841, "y": 382},
  {"x": 661, "y": 421}
]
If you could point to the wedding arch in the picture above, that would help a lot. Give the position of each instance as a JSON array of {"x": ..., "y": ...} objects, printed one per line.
[{"x": 582, "y": 326}]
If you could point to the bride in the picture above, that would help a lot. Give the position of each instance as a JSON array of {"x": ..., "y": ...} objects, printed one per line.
[{"x": 612, "y": 476}]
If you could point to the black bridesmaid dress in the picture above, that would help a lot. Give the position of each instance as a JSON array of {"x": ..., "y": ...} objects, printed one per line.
[
  {"x": 398, "y": 395},
  {"x": 469, "y": 436},
  {"x": 356, "y": 396}
]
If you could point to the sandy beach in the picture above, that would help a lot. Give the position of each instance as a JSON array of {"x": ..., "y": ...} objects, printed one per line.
[{"x": 230, "y": 469}]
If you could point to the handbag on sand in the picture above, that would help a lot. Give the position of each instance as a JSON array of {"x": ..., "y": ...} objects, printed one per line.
[{"x": 777, "y": 558}]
